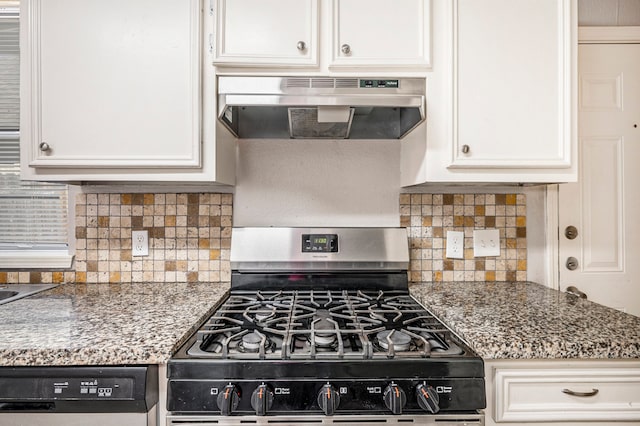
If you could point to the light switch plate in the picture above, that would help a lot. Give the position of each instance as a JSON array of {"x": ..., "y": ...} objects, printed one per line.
[
  {"x": 486, "y": 242},
  {"x": 455, "y": 245}
]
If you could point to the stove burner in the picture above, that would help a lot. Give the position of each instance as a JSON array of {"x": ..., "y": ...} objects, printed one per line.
[
  {"x": 400, "y": 340},
  {"x": 325, "y": 329},
  {"x": 263, "y": 315},
  {"x": 251, "y": 341}
]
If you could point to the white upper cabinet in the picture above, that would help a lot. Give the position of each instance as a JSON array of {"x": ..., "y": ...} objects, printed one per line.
[
  {"x": 513, "y": 79},
  {"x": 501, "y": 98},
  {"x": 269, "y": 33},
  {"x": 357, "y": 34},
  {"x": 113, "y": 90},
  {"x": 381, "y": 33}
]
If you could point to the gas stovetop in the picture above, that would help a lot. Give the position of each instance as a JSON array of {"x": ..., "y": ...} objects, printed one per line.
[
  {"x": 319, "y": 322},
  {"x": 323, "y": 324}
]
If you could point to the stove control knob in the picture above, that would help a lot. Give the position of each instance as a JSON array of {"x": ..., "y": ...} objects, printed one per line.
[
  {"x": 328, "y": 399},
  {"x": 394, "y": 398},
  {"x": 262, "y": 399},
  {"x": 228, "y": 399},
  {"x": 428, "y": 398}
]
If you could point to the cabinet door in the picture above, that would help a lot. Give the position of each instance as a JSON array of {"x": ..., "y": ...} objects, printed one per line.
[
  {"x": 274, "y": 33},
  {"x": 512, "y": 86},
  {"x": 111, "y": 84},
  {"x": 381, "y": 33}
]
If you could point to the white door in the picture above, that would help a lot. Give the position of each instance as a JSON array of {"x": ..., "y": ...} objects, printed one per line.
[{"x": 604, "y": 206}]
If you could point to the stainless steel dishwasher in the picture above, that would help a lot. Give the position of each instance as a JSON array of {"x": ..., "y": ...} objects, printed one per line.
[{"x": 79, "y": 396}]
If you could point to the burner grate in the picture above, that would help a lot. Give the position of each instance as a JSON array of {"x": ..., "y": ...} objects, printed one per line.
[{"x": 308, "y": 324}]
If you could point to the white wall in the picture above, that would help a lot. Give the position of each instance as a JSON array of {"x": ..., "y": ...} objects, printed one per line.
[{"x": 317, "y": 183}]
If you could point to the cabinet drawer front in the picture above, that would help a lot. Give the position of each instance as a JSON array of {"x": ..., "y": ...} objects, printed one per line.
[{"x": 537, "y": 395}]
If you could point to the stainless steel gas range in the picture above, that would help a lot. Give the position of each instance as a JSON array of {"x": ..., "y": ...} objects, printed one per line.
[{"x": 319, "y": 328}]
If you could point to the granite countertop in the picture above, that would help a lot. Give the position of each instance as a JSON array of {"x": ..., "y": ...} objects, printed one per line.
[
  {"x": 104, "y": 324},
  {"x": 530, "y": 321}
]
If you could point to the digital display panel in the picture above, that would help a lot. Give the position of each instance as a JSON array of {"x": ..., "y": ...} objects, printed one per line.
[
  {"x": 320, "y": 243},
  {"x": 376, "y": 84}
]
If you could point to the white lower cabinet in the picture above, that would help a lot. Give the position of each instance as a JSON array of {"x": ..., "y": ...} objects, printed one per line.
[
  {"x": 119, "y": 91},
  {"x": 606, "y": 392}
]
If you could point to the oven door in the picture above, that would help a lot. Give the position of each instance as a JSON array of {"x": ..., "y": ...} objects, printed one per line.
[{"x": 359, "y": 420}]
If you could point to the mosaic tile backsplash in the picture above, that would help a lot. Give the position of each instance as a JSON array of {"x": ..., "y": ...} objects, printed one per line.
[
  {"x": 428, "y": 217},
  {"x": 189, "y": 240}
]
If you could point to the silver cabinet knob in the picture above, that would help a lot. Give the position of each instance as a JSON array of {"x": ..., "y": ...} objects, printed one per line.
[
  {"x": 346, "y": 49},
  {"x": 301, "y": 46},
  {"x": 465, "y": 149},
  {"x": 44, "y": 147}
]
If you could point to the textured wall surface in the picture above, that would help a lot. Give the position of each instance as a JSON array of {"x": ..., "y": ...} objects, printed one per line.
[
  {"x": 429, "y": 217},
  {"x": 189, "y": 240}
]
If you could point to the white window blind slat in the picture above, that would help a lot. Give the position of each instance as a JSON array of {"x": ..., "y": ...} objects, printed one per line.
[
  {"x": 33, "y": 215},
  {"x": 9, "y": 74},
  {"x": 9, "y": 148}
]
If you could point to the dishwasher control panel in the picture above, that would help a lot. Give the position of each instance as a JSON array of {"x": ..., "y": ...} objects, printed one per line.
[
  {"x": 67, "y": 388},
  {"x": 78, "y": 388}
]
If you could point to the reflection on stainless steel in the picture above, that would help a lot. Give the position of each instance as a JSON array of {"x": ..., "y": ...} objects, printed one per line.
[
  {"x": 274, "y": 248},
  {"x": 319, "y": 108},
  {"x": 359, "y": 420},
  {"x": 42, "y": 323},
  {"x": 9, "y": 293}
]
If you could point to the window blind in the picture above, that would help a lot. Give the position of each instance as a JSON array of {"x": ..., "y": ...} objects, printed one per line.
[
  {"x": 9, "y": 71},
  {"x": 33, "y": 215}
]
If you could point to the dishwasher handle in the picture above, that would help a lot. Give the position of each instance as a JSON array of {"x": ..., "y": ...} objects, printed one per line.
[{"x": 27, "y": 406}]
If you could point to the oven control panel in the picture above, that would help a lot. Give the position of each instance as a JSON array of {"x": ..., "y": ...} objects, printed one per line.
[
  {"x": 319, "y": 243},
  {"x": 327, "y": 397}
]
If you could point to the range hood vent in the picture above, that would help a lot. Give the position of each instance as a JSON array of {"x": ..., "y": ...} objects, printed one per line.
[{"x": 320, "y": 107}]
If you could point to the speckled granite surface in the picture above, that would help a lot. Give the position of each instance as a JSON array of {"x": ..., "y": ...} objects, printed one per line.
[
  {"x": 103, "y": 324},
  {"x": 530, "y": 321}
]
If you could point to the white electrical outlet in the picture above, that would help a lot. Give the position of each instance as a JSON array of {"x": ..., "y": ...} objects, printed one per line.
[
  {"x": 455, "y": 245},
  {"x": 140, "y": 243},
  {"x": 486, "y": 242}
]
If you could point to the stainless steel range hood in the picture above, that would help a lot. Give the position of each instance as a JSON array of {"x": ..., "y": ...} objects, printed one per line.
[{"x": 320, "y": 107}]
